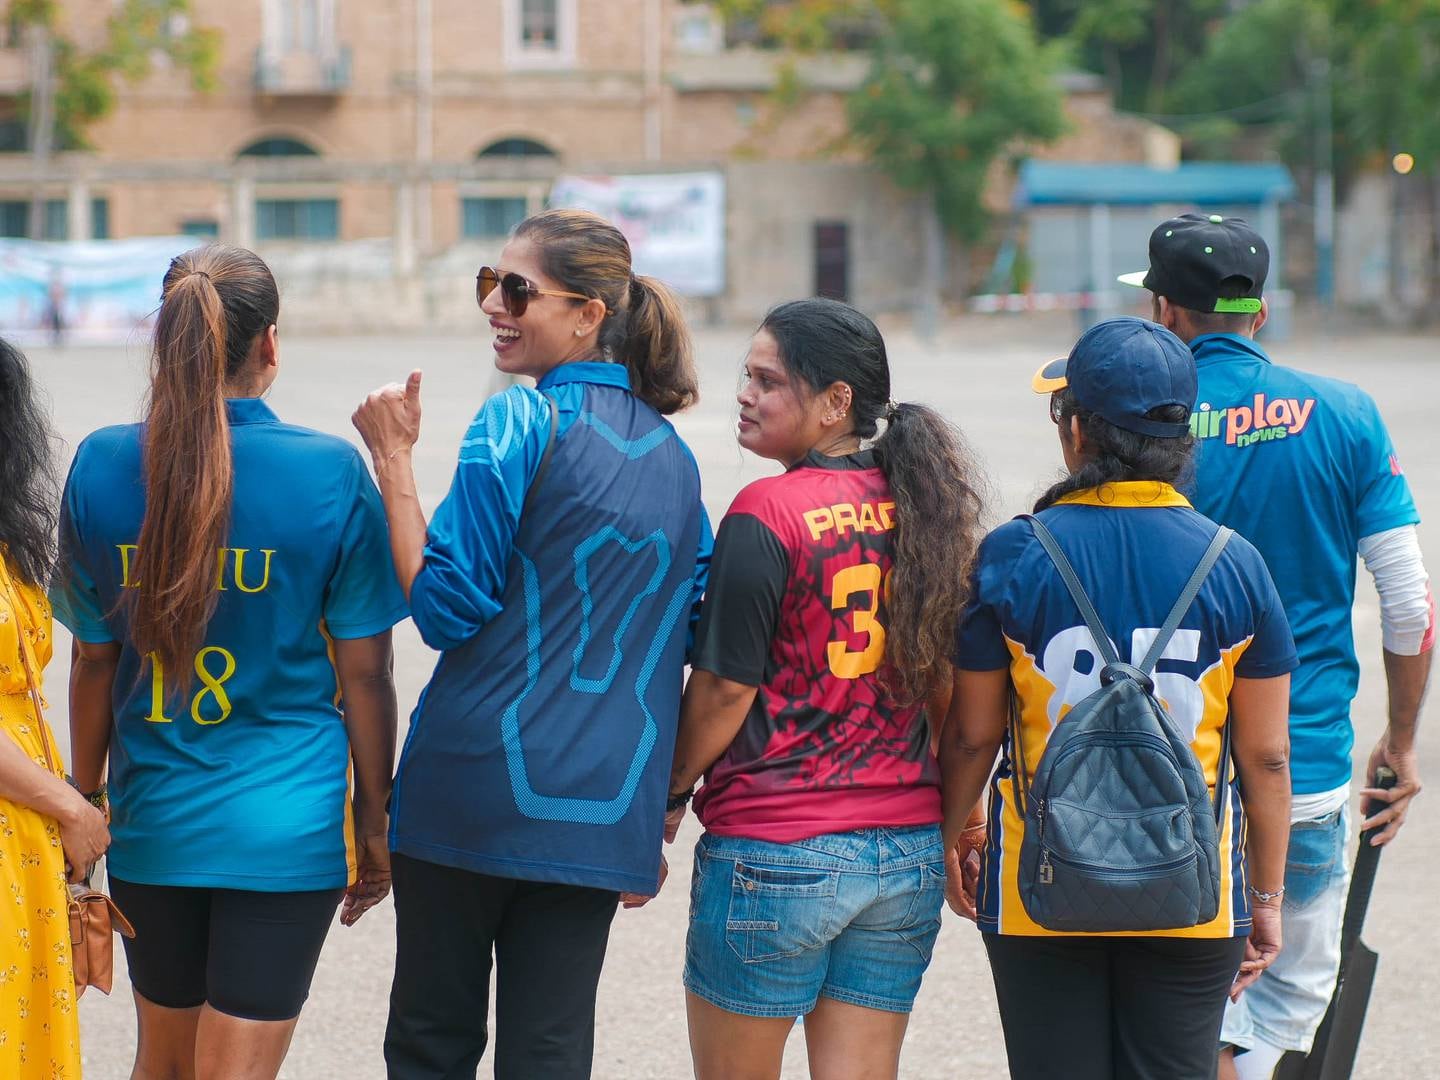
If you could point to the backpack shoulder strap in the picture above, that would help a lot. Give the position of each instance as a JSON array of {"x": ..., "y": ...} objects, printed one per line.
[
  {"x": 544, "y": 458},
  {"x": 1077, "y": 591},
  {"x": 1187, "y": 597}
]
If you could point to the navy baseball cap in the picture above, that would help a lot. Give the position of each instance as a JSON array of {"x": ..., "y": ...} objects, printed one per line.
[
  {"x": 1206, "y": 262},
  {"x": 1121, "y": 369}
]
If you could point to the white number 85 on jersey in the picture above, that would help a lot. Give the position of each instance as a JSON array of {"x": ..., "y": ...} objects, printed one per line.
[{"x": 1061, "y": 665}]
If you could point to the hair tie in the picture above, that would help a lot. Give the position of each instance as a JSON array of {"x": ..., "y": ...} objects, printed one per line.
[{"x": 200, "y": 273}]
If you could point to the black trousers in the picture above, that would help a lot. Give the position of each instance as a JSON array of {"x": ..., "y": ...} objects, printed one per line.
[
  {"x": 548, "y": 943},
  {"x": 1112, "y": 1008}
]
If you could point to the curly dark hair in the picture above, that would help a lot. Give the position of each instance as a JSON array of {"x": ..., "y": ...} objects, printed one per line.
[
  {"x": 29, "y": 495},
  {"x": 1117, "y": 455},
  {"x": 936, "y": 485}
]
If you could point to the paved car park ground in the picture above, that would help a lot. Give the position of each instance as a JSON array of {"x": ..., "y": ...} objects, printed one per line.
[{"x": 978, "y": 374}]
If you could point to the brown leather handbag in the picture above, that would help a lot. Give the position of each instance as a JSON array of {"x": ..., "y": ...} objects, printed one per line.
[{"x": 94, "y": 918}]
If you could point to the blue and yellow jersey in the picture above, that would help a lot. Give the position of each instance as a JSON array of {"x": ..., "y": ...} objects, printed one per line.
[
  {"x": 241, "y": 781},
  {"x": 1134, "y": 546},
  {"x": 1303, "y": 468}
]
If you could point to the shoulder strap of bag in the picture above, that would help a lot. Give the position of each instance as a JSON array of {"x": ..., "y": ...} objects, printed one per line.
[
  {"x": 1172, "y": 623},
  {"x": 544, "y": 458},
  {"x": 1187, "y": 597},
  {"x": 31, "y": 682},
  {"x": 1077, "y": 591}
]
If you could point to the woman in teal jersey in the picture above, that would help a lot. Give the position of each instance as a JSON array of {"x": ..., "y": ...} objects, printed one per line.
[{"x": 229, "y": 585}]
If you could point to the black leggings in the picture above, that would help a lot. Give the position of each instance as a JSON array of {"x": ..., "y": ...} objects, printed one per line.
[
  {"x": 549, "y": 945},
  {"x": 246, "y": 954},
  {"x": 1112, "y": 1008}
]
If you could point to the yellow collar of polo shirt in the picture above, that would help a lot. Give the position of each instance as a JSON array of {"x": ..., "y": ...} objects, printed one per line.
[{"x": 1127, "y": 493}]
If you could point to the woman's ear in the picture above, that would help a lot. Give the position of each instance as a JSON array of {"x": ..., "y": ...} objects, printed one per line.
[
  {"x": 838, "y": 399},
  {"x": 592, "y": 314},
  {"x": 1077, "y": 435},
  {"x": 270, "y": 346}
]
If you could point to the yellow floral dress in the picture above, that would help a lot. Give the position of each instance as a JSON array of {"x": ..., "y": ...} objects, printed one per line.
[{"x": 39, "y": 1021}]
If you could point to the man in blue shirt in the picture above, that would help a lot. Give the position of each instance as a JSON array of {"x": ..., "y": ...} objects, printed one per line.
[{"x": 1303, "y": 467}]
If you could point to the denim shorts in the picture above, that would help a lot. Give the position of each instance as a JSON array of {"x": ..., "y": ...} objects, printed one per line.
[
  {"x": 853, "y": 916},
  {"x": 1285, "y": 1005}
]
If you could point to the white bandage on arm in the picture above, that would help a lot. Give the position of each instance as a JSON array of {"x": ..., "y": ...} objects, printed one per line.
[{"x": 1407, "y": 614}]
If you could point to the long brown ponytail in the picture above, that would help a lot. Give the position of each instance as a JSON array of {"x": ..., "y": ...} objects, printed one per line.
[
  {"x": 216, "y": 301},
  {"x": 644, "y": 328}
]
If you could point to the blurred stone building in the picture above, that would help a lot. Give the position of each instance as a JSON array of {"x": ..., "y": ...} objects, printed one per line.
[{"x": 353, "y": 141}]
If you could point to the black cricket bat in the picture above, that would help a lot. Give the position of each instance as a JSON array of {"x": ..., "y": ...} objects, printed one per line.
[{"x": 1332, "y": 1057}]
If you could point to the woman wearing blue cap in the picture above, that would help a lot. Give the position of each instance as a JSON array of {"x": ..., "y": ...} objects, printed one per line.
[{"x": 1129, "y": 989}]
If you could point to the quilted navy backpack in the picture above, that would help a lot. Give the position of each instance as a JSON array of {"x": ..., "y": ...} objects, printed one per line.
[{"x": 1120, "y": 831}]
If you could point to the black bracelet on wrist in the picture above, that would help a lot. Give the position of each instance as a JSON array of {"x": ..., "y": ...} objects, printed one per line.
[{"x": 675, "y": 802}]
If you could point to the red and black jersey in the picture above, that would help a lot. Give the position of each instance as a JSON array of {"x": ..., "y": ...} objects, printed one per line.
[{"x": 796, "y": 606}]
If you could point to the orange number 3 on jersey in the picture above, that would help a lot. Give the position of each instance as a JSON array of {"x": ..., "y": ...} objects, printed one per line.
[{"x": 846, "y": 663}]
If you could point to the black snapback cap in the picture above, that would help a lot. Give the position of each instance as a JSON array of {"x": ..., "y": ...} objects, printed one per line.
[{"x": 1196, "y": 259}]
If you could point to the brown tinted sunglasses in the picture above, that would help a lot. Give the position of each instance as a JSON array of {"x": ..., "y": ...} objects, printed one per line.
[{"x": 515, "y": 291}]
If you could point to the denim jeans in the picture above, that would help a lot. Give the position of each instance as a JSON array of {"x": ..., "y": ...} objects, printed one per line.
[
  {"x": 852, "y": 916},
  {"x": 1285, "y": 1006}
]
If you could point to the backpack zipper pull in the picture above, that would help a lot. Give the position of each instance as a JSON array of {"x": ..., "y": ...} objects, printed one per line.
[{"x": 1047, "y": 872}]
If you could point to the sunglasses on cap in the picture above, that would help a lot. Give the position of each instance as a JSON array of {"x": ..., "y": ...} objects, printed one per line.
[{"x": 515, "y": 291}]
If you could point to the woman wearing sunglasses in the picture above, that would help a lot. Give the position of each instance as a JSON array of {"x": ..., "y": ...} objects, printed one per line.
[
  {"x": 832, "y": 605},
  {"x": 558, "y": 579}
]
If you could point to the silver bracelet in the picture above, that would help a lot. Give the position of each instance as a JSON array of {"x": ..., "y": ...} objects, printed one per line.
[{"x": 1266, "y": 897}]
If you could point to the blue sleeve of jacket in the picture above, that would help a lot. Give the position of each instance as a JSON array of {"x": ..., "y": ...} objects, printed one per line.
[
  {"x": 1383, "y": 494},
  {"x": 362, "y": 597},
  {"x": 471, "y": 535},
  {"x": 74, "y": 596},
  {"x": 979, "y": 635},
  {"x": 703, "y": 554}
]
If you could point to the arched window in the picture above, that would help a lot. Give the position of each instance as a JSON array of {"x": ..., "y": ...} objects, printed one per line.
[
  {"x": 513, "y": 148},
  {"x": 279, "y": 147}
]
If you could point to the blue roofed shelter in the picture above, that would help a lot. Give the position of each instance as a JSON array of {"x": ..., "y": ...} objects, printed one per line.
[{"x": 1088, "y": 223}]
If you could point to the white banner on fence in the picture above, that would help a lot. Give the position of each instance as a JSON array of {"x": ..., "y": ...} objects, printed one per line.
[
  {"x": 101, "y": 291},
  {"x": 675, "y": 223}
]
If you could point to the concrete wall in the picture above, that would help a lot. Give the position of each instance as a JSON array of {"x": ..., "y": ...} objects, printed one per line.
[{"x": 773, "y": 209}]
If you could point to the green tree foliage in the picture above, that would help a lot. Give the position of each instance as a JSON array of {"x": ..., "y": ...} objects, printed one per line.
[
  {"x": 1391, "y": 55},
  {"x": 1140, "y": 45},
  {"x": 953, "y": 85},
  {"x": 136, "y": 32},
  {"x": 1257, "y": 78},
  {"x": 1253, "y": 76}
]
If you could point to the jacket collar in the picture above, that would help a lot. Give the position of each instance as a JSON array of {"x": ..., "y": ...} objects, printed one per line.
[
  {"x": 588, "y": 371},
  {"x": 249, "y": 410},
  {"x": 1128, "y": 494},
  {"x": 1217, "y": 348}
]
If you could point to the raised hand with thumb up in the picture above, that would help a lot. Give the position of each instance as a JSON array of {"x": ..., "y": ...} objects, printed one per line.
[{"x": 389, "y": 420}]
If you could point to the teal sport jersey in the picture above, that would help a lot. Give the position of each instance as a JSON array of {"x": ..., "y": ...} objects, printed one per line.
[
  {"x": 1133, "y": 545},
  {"x": 241, "y": 781},
  {"x": 1302, "y": 467}
]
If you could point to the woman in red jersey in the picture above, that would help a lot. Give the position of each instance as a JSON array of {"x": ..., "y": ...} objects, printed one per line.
[{"x": 827, "y": 623}]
